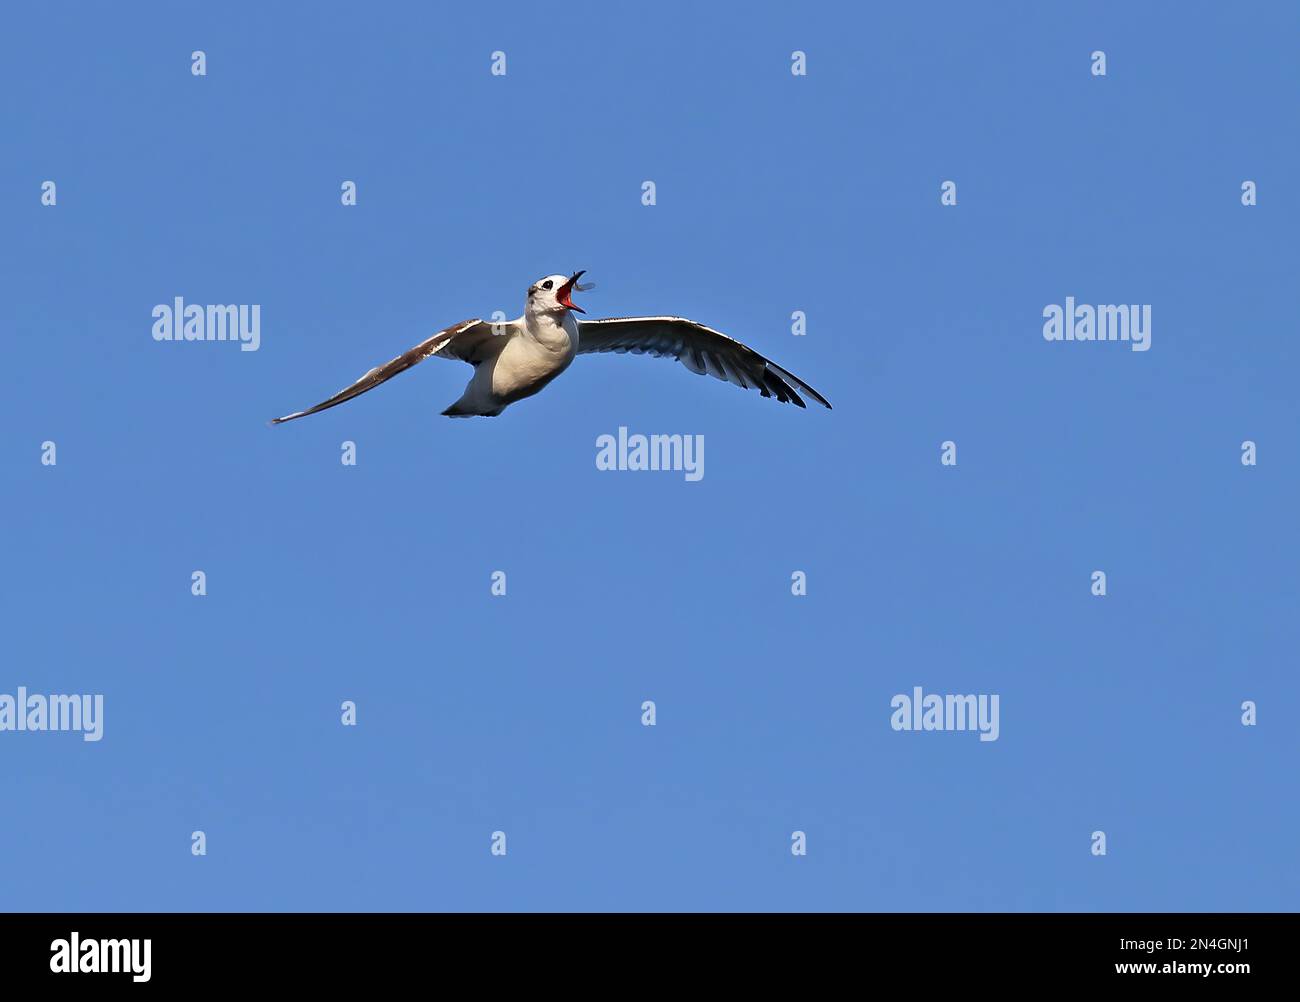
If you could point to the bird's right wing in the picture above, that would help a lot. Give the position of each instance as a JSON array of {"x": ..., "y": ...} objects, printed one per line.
[
  {"x": 470, "y": 341},
  {"x": 701, "y": 349}
]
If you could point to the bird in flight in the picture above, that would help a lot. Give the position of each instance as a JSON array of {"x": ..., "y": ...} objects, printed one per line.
[{"x": 515, "y": 359}]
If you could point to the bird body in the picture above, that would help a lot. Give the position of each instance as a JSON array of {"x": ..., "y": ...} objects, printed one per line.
[
  {"x": 515, "y": 359},
  {"x": 532, "y": 351}
]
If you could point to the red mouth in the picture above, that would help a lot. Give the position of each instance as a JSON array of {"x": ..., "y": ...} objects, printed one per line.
[{"x": 566, "y": 290}]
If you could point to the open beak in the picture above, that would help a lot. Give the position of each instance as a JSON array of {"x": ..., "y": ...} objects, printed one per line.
[{"x": 566, "y": 290}]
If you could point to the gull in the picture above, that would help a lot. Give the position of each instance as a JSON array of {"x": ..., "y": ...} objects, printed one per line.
[{"x": 517, "y": 358}]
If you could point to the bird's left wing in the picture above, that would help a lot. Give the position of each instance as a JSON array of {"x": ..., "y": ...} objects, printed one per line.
[
  {"x": 701, "y": 349},
  {"x": 465, "y": 341}
]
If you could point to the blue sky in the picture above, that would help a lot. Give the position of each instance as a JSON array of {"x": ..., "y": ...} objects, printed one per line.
[{"x": 522, "y": 713}]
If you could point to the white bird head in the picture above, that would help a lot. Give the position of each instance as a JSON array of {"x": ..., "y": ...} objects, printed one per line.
[{"x": 553, "y": 294}]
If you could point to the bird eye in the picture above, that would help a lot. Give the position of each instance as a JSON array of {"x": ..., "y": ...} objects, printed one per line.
[{"x": 547, "y": 284}]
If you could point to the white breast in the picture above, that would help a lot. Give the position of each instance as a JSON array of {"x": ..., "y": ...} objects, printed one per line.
[{"x": 539, "y": 353}]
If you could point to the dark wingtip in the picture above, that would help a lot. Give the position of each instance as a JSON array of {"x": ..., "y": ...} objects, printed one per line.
[{"x": 788, "y": 381}]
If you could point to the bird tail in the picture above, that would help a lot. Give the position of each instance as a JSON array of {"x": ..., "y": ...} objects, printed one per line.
[{"x": 459, "y": 410}]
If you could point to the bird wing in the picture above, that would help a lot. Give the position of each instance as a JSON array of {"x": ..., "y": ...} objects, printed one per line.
[
  {"x": 472, "y": 341},
  {"x": 697, "y": 347}
]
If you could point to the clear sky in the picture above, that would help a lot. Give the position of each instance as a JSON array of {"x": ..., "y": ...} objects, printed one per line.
[{"x": 776, "y": 193}]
